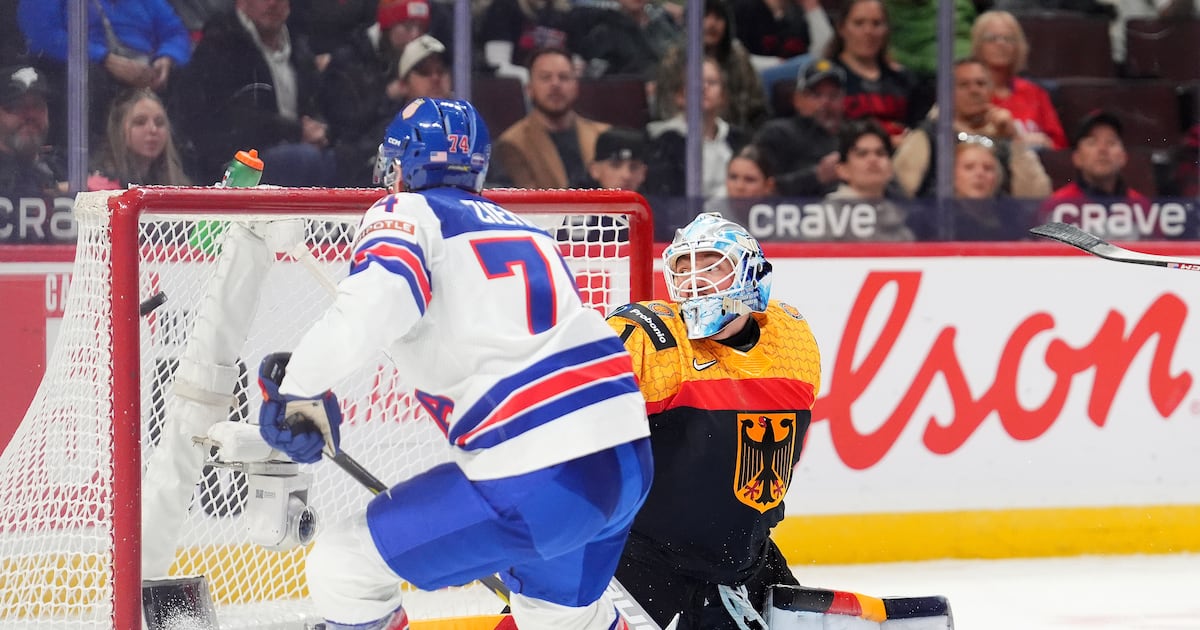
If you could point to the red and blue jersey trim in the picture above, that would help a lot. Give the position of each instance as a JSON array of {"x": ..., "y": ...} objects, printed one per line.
[
  {"x": 551, "y": 388},
  {"x": 401, "y": 257}
]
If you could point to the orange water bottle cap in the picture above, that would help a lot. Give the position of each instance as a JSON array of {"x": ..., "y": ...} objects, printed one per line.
[{"x": 249, "y": 158}]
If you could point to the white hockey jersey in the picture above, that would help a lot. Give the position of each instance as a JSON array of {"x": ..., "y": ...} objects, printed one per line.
[{"x": 481, "y": 316}]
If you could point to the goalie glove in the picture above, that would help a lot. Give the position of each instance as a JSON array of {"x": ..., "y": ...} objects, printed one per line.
[{"x": 300, "y": 427}]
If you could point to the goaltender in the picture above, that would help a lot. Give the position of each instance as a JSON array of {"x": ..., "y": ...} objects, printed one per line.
[{"x": 729, "y": 380}]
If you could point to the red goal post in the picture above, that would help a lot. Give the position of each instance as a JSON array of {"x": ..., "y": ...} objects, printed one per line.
[{"x": 71, "y": 523}]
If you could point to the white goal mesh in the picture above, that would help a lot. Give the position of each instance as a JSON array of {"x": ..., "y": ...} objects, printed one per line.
[{"x": 71, "y": 477}]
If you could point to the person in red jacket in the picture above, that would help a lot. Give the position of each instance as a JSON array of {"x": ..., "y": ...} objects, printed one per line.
[{"x": 998, "y": 41}]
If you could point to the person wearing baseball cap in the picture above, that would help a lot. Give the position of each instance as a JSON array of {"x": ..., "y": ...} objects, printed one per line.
[
  {"x": 25, "y": 170},
  {"x": 423, "y": 69},
  {"x": 804, "y": 147},
  {"x": 1098, "y": 155},
  {"x": 620, "y": 159}
]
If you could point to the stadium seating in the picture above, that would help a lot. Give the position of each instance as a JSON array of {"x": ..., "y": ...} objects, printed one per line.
[
  {"x": 500, "y": 100},
  {"x": 617, "y": 100},
  {"x": 1148, "y": 109},
  {"x": 1159, "y": 48},
  {"x": 1067, "y": 44}
]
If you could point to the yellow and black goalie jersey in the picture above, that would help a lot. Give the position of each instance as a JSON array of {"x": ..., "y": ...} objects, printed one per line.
[{"x": 727, "y": 428}]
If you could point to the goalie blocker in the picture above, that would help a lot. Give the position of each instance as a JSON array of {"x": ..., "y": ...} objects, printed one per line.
[{"x": 805, "y": 608}]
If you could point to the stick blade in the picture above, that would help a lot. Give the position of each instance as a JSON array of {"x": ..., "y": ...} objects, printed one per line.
[
  {"x": 1068, "y": 234},
  {"x": 1094, "y": 245}
]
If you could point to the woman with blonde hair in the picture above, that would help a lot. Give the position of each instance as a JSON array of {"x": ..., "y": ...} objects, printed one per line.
[
  {"x": 139, "y": 146},
  {"x": 982, "y": 211},
  {"x": 998, "y": 41}
]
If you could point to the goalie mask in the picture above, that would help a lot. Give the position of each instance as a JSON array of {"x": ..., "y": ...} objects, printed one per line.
[
  {"x": 435, "y": 142},
  {"x": 714, "y": 291}
]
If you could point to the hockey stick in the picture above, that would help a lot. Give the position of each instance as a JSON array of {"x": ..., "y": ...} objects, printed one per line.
[{"x": 1097, "y": 246}]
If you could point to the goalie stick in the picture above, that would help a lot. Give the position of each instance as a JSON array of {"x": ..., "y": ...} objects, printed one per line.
[{"x": 1097, "y": 246}]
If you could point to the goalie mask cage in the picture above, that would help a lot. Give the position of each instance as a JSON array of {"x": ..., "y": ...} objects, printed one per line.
[{"x": 71, "y": 516}]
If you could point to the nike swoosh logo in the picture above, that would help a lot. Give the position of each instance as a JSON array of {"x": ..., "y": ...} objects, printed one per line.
[{"x": 702, "y": 366}]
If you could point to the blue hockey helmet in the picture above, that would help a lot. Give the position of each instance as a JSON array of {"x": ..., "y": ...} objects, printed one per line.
[
  {"x": 709, "y": 302},
  {"x": 435, "y": 142}
]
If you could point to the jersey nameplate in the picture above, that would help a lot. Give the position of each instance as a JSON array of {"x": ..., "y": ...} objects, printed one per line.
[
  {"x": 490, "y": 213},
  {"x": 649, "y": 321}
]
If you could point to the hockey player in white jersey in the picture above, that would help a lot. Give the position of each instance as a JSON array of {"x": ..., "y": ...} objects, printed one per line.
[{"x": 532, "y": 389}]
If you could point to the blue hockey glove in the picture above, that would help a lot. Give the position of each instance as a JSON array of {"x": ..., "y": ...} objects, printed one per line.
[{"x": 300, "y": 427}]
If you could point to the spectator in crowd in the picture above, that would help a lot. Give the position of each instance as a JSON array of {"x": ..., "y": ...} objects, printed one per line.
[
  {"x": 252, "y": 83},
  {"x": 999, "y": 42},
  {"x": 552, "y": 146},
  {"x": 975, "y": 118},
  {"x": 139, "y": 146},
  {"x": 362, "y": 88},
  {"x": 865, "y": 171},
  {"x": 749, "y": 179},
  {"x": 782, "y": 29},
  {"x": 131, "y": 43},
  {"x": 750, "y": 174},
  {"x": 424, "y": 71},
  {"x": 982, "y": 212},
  {"x": 720, "y": 141},
  {"x": 620, "y": 160},
  {"x": 804, "y": 147},
  {"x": 629, "y": 40},
  {"x": 876, "y": 87},
  {"x": 913, "y": 45},
  {"x": 26, "y": 169},
  {"x": 1098, "y": 154},
  {"x": 977, "y": 171},
  {"x": 782, "y": 35},
  {"x": 746, "y": 101},
  {"x": 513, "y": 30}
]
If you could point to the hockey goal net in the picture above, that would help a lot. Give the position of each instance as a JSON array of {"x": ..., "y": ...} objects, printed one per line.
[{"x": 74, "y": 517}]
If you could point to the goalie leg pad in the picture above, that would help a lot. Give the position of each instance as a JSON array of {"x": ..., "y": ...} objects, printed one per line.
[{"x": 804, "y": 608}]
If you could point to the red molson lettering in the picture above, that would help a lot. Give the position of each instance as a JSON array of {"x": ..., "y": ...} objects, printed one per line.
[{"x": 1110, "y": 353}]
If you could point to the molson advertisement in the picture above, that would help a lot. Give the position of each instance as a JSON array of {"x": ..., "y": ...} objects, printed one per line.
[{"x": 977, "y": 400}]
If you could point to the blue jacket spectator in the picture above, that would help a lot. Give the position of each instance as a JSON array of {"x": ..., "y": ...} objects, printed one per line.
[
  {"x": 131, "y": 43},
  {"x": 254, "y": 84},
  {"x": 146, "y": 27}
]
